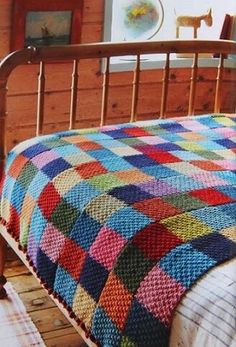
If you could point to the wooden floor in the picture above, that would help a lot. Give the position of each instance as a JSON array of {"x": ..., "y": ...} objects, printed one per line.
[{"x": 54, "y": 328}]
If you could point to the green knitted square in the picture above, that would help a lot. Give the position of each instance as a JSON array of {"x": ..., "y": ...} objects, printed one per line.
[
  {"x": 105, "y": 181},
  {"x": 64, "y": 217},
  {"x": 27, "y": 174},
  {"x": 125, "y": 342},
  {"x": 132, "y": 261},
  {"x": 184, "y": 201},
  {"x": 208, "y": 155}
]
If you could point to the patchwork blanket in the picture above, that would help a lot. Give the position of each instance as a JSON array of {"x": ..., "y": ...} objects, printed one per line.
[{"x": 119, "y": 222}]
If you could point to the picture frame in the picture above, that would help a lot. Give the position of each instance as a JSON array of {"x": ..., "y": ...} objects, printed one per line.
[{"x": 45, "y": 23}]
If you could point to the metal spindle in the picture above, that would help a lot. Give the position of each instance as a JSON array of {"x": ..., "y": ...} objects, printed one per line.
[
  {"x": 105, "y": 90},
  {"x": 134, "y": 105},
  {"x": 165, "y": 86},
  {"x": 74, "y": 89},
  {"x": 193, "y": 82},
  {"x": 40, "y": 103},
  {"x": 219, "y": 80}
]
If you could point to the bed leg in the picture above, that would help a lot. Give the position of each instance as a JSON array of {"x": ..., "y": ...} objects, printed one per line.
[{"x": 3, "y": 253}]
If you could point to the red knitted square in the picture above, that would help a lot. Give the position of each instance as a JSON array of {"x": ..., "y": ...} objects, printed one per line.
[
  {"x": 211, "y": 196},
  {"x": 163, "y": 157},
  {"x": 17, "y": 165},
  {"x": 156, "y": 208},
  {"x": 89, "y": 146},
  {"x": 116, "y": 300},
  {"x": 48, "y": 200},
  {"x": 136, "y": 132},
  {"x": 207, "y": 165},
  {"x": 72, "y": 258},
  {"x": 91, "y": 169},
  {"x": 155, "y": 241}
]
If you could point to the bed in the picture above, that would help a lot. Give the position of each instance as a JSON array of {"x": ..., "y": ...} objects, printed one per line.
[{"x": 130, "y": 227}]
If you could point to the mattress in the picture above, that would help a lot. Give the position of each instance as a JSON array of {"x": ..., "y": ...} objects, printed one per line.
[{"x": 121, "y": 222}]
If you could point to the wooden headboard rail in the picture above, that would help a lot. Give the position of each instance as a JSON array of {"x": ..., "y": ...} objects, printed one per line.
[{"x": 107, "y": 50}]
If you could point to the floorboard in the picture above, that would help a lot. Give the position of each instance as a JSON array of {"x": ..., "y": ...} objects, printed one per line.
[{"x": 54, "y": 328}]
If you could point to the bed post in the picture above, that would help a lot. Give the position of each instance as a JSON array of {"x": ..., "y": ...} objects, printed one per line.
[{"x": 3, "y": 114}]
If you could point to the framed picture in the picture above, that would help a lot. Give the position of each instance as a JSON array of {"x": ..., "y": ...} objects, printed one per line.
[{"x": 46, "y": 23}]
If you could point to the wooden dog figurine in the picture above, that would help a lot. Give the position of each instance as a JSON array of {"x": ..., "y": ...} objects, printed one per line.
[{"x": 193, "y": 21}]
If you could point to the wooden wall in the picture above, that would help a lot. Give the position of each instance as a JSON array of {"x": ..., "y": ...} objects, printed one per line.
[{"x": 23, "y": 86}]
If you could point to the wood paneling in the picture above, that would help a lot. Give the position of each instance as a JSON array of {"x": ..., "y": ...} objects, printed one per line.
[{"x": 23, "y": 86}]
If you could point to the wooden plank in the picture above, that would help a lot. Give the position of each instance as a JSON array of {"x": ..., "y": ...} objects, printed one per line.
[
  {"x": 15, "y": 270},
  {"x": 71, "y": 340},
  {"x": 51, "y": 319},
  {"x": 25, "y": 284},
  {"x": 36, "y": 300},
  {"x": 57, "y": 333},
  {"x": 63, "y": 337}
]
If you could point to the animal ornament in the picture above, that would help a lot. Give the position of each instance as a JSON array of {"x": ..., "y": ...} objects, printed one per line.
[{"x": 194, "y": 22}]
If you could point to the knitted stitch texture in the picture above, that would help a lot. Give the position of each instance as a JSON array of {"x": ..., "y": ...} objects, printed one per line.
[{"x": 120, "y": 221}]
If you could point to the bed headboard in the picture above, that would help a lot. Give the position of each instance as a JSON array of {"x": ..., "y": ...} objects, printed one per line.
[{"x": 75, "y": 53}]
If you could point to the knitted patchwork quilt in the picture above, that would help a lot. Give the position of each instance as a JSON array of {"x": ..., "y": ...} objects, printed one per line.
[{"x": 119, "y": 222}]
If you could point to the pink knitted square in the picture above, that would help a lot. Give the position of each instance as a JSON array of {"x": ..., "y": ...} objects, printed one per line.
[
  {"x": 106, "y": 247},
  {"x": 159, "y": 293},
  {"x": 52, "y": 242}
]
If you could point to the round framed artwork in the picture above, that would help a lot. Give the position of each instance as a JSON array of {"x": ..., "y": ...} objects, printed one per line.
[{"x": 141, "y": 19}]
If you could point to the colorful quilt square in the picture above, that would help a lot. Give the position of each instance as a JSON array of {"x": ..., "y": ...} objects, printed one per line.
[
  {"x": 27, "y": 174},
  {"x": 72, "y": 258},
  {"x": 184, "y": 264},
  {"x": 17, "y": 166},
  {"x": 186, "y": 226},
  {"x": 215, "y": 217},
  {"x": 93, "y": 277},
  {"x": 65, "y": 285},
  {"x": 81, "y": 194},
  {"x": 158, "y": 171},
  {"x": 46, "y": 268},
  {"x": 84, "y": 306},
  {"x": 156, "y": 208},
  {"x": 139, "y": 320},
  {"x": 91, "y": 169},
  {"x": 85, "y": 230},
  {"x": 105, "y": 182},
  {"x": 52, "y": 242},
  {"x": 104, "y": 330},
  {"x": 89, "y": 146},
  {"x": 211, "y": 196},
  {"x": 115, "y": 163},
  {"x": 34, "y": 150},
  {"x": 48, "y": 193},
  {"x": 155, "y": 241},
  {"x": 106, "y": 247},
  {"x": 132, "y": 261},
  {"x": 127, "y": 222},
  {"x": 160, "y": 293},
  {"x": 185, "y": 201},
  {"x": 64, "y": 217},
  {"x": 132, "y": 176},
  {"x": 158, "y": 187},
  {"x": 215, "y": 246},
  {"x": 207, "y": 165},
  {"x": 103, "y": 206},
  {"x": 130, "y": 194},
  {"x": 53, "y": 168},
  {"x": 139, "y": 160},
  {"x": 163, "y": 157},
  {"x": 116, "y": 300},
  {"x": 70, "y": 176}
]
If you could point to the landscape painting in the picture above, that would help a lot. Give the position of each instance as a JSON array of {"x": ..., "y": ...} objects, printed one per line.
[{"x": 48, "y": 28}]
